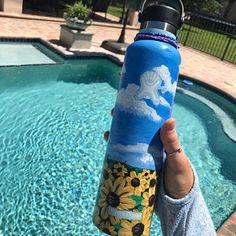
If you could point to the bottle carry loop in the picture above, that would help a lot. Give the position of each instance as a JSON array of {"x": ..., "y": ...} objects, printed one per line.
[{"x": 157, "y": 37}]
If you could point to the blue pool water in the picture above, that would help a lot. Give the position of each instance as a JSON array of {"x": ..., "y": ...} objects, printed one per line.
[{"x": 52, "y": 120}]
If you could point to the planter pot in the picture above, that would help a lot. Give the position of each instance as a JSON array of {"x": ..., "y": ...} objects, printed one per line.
[
  {"x": 133, "y": 17},
  {"x": 75, "y": 39},
  {"x": 77, "y": 24}
]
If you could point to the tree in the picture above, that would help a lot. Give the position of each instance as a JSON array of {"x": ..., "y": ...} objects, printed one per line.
[
  {"x": 208, "y": 6},
  {"x": 134, "y": 4},
  {"x": 229, "y": 5}
]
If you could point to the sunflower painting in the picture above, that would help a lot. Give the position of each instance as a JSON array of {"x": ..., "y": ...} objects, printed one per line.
[
  {"x": 116, "y": 195},
  {"x": 137, "y": 228},
  {"x": 149, "y": 198},
  {"x": 119, "y": 170},
  {"x": 126, "y": 199},
  {"x": 136, "y": 182}
]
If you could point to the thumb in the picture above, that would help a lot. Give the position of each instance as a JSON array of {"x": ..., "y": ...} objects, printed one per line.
[
  {"x": 169, "y": 136},
  {"x": 171, "y": 144},
  {"x": 178, "y": 174}
]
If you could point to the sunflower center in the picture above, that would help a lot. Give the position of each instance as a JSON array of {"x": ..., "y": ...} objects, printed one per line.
[
  {"x": 135, "y": 182},
  {"x": 113, "y": 200},
  {"x": 138, "y": 229},
  {"x": 151, "y": 200},
  {"x": 153, "y": 183},
  {"x": 119, "y": 169}
]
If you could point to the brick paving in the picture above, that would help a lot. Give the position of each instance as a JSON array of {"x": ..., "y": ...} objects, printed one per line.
[{"x": 197, "y": 65}]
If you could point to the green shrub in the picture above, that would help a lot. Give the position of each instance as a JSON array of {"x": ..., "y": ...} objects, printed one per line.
[{"x": 78, "y": 10}]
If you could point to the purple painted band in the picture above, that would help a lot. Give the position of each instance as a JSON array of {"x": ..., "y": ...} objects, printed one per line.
[{"x": 157, "y": 37}]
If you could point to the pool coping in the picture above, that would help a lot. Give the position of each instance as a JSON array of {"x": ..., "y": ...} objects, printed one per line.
[
  {"x": 228, "y": 227},
  {"x": 61, "y": 53}
]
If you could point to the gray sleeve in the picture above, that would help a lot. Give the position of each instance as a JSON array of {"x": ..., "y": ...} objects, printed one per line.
[{"x": 188, "y": 216}]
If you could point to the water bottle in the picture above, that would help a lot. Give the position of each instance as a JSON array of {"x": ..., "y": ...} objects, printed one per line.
[{"x": 134, "y": 156}]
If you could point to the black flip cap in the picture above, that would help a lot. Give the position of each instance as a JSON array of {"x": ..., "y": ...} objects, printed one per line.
[{"x": 162, "y": 12}]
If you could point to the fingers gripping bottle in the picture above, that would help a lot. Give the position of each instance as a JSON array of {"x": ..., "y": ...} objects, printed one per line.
[{"x": 134, "y": 155}]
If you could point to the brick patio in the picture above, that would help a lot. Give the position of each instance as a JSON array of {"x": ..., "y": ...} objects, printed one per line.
[{"x": 197, "y": 65}]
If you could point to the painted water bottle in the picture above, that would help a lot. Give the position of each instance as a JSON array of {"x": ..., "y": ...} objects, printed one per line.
[{"x": 129, "y": 180}]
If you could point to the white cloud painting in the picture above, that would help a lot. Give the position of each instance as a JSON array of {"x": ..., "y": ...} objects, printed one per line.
[
  {"x": 141, "y": 155},
  {"x": 128, "y": 102},
  {"x": 164, "y": 73},
  {"x": 133, "y": 98},
  {"x": 139, "y": 147}
]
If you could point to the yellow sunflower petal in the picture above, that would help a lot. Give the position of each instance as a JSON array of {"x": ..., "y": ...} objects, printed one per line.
[
  {"x": 117, "y": 182},
  {"x": 102, "y": 201},
  {"x": 124, "y": 232},
  {"x": 128, "y": 179},
  {"x": 109, "y": 185},
  {"x": 104, "y": 191},
  {"x": 120, "y": 188},
  {"x": 126, "y": 224},
  {"x": 127, "y": 201},
  {"x": 128, "y": 189},
  {"x": 146, "y": 216},
  {"x": 133, "y": 174},
  {"x": 145, "y": 202},
  {"x": 124, "y": 206},
  {"x": 114, "y": 220},
  {"x": 104, "y": 213},
  {"x": 151, "y": 191},
  {"x": 146, "y": 195},
  {"x": 146, "y": 231},
  {"x": 143, "y": 182},
  {"x": 127, "y": 194},
  {"x": 137, "y": 192},
  {"x": 96, "y": 220}
]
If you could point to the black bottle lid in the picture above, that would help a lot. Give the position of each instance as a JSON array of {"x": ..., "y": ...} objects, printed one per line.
[{"x": 167, "y": 11}]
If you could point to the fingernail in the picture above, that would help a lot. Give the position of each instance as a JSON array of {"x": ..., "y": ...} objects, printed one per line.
[{"x": 171, "y": 126}]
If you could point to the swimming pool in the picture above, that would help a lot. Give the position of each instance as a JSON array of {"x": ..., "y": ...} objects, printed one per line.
[
  {"x": 52, "y": 119},
  {"x": 25, "y": 52}
]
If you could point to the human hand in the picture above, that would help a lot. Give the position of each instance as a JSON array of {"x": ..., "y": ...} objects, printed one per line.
[{"x": 178, "y": 174}]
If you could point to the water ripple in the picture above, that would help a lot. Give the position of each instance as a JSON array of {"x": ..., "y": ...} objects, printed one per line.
[{"x": 51, "y": 154}]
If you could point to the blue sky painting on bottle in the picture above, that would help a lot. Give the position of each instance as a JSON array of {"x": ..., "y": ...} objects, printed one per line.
[{"x": 149, "y": 100}]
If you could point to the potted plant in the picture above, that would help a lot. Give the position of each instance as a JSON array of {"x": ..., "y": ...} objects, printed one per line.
[{"x": 77, "y": 16}]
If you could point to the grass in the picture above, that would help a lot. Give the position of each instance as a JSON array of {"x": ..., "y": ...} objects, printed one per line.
[
  {"x": 209, "y": 42},
  {"x": 115, "y": 10}
]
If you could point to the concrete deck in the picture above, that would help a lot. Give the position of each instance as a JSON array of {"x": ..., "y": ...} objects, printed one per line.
[{"x": 197, "y": 65}]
